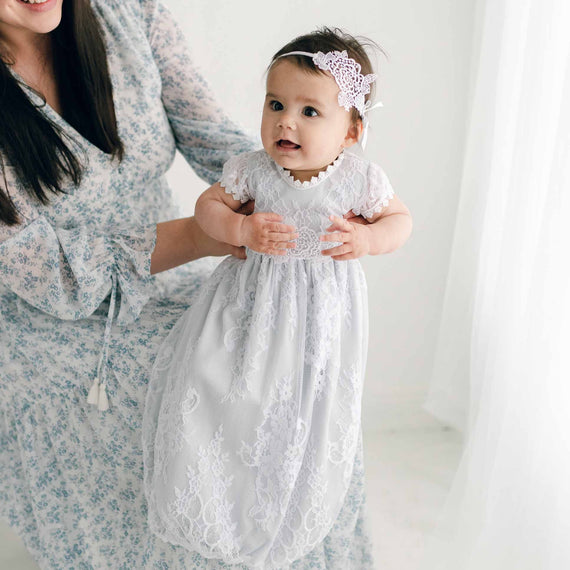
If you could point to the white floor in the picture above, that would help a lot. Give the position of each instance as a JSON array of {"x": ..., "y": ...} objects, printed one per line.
[
  {"x": 408, "y": 470},
  {"x": 408, "y": 474}
]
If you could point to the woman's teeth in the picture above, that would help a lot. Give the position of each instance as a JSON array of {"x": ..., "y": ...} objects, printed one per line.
[{"x": 34, "y": 1}]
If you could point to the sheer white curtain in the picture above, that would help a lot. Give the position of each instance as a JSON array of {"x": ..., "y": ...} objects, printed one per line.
[{"x": 502, "y": 369}]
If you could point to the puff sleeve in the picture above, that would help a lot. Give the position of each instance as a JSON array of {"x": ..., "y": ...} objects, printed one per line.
[
  {"x": 376, "y": 194},
  {"x": 235, "y": 178}
]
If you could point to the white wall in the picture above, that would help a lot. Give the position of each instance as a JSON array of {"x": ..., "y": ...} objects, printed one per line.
[{"x": 417, "y": 137}]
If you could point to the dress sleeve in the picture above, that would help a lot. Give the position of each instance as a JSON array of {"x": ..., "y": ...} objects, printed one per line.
[
  {"x": 235, "y": 179},
  {"x": 376, "y": 194},
  {"x": 68, "y": 272},
  {"x": 204, "y": 134}
]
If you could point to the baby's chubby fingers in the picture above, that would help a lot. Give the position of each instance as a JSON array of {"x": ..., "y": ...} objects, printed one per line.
[
  {"x": 284, "y": 245},
  {"x": 340, "y": 230},
  {"x": 339, "y": 224},
  {"x": 354, "y": 239},
  {"x": 280, "y": 228},
  {"x": 273, "y": 225},
  {"x": 263, "y": 232},
  {"x": 282, "y": 235},
  {"x": 342, "y": 249},
  {"x": 336, "y": 236},
  {"x": 279, "y": 233}
]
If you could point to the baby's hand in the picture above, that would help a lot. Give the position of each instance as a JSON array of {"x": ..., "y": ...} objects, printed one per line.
[
  {"x": 263, "y": 233},
  {"x": 354, "y": 236}
]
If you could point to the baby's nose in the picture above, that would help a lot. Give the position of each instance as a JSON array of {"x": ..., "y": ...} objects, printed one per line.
[{"x": 286, "y": 121}]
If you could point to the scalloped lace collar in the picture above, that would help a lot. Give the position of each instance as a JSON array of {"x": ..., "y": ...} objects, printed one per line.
[{"x": 290, "y": 179}]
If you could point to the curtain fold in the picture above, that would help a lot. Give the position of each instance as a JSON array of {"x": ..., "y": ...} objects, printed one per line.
[{"x": 502, "y": 369}]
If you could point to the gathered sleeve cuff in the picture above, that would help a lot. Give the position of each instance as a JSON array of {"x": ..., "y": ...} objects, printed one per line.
[
  {"x": 204, "y": 135},
  {"x": 234, "y": 178},
  {"x": 377, "y": 193},
  {"x": 67, "y": 273},
  {"x": 131, "y": 254}
]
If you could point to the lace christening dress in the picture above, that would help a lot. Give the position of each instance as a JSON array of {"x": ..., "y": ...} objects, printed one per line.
[{"x": 252, "y": 417}]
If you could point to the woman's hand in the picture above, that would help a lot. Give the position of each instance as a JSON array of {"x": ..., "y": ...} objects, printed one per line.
[
  {"x": 263, "y": 232},
  {"x": 354, "y": 235},
  {"x": 209, "y": 246}
]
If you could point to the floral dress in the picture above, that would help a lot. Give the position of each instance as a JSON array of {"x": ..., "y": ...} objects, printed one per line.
[
  {"x": 77, "y": 302},
  {"x": 252, "y": 417}
]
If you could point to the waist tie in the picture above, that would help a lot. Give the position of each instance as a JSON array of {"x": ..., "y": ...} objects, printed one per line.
[{"x": 98, "y": 392}]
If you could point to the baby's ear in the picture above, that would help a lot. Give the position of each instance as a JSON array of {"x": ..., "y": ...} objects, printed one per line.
[{"x": 353, "y": 134}]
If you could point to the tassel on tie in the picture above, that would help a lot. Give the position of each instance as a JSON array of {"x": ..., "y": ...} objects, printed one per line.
[
  {"x": 93, "y": 396},
  {"x": 103, "y": 402},
  {"x": 98, "y": 392}
]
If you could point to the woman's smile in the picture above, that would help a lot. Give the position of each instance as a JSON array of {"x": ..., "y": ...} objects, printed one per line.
[{"x": 38, "y": 5}]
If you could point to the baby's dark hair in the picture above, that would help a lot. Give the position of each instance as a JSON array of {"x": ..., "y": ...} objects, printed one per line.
[{"x": 330, "y": 39}]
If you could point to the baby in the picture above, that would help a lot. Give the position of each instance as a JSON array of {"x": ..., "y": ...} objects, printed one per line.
[{"x": 252, "y": 419}]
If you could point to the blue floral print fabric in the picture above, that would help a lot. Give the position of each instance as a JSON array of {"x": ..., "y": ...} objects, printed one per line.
[{"x": 71, "y": 476}]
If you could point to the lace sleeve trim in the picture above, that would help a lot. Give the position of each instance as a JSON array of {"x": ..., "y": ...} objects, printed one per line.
[
  {"x": 235, "y": 178},
  {"x": 377, "y": 194}
]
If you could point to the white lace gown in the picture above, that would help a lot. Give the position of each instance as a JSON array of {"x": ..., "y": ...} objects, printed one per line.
[{"x": 252, "y": 418}]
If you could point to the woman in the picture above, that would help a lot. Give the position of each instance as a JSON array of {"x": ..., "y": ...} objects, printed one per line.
[{"x": 94, "y": 100}]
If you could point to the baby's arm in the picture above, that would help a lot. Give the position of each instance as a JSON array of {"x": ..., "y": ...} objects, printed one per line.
[
  {"x": 216, "y": 215},
  {"x": 386, "y": 231}
]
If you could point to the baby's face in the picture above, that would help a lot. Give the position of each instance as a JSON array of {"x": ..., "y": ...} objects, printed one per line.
[{"x": 303, "y": 128}]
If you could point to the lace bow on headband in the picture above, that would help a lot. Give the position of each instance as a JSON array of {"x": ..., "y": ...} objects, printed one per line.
[{"x": 352, "y": 84}]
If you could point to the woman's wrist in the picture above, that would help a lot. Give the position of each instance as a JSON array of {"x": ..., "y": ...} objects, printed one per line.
[{"x": 183, "y": 240}]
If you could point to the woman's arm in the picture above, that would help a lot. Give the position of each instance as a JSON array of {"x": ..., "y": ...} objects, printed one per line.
[
  {"x": 183, "y": 240},
  {"x": 204, "y": 134}
]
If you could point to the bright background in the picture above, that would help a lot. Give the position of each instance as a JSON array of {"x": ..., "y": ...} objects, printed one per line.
[{"x": 418, "y": 138}]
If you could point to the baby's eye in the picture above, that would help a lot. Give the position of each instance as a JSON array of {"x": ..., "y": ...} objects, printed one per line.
[
  {"x": 275, "y": 106},
  {"x": 310, "y": 112}
]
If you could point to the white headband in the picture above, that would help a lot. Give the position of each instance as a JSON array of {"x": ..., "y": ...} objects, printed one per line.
[{"x": 352, "y": 84}]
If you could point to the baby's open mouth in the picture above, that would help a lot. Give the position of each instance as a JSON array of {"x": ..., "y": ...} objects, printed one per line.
[{"x": 284, "y": 143}]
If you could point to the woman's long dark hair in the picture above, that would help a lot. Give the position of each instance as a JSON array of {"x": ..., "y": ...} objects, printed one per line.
[{"x": 32, "y": 144}]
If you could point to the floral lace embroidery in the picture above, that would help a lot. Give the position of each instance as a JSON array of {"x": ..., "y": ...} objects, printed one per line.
[
  {"x": 343, "y": 449},
  {"x": 210, "y": 522},
  {"x": 308, "y": 244},
  {"x": 308, "y": 518},
  {"x": 277, "y": 454}
]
